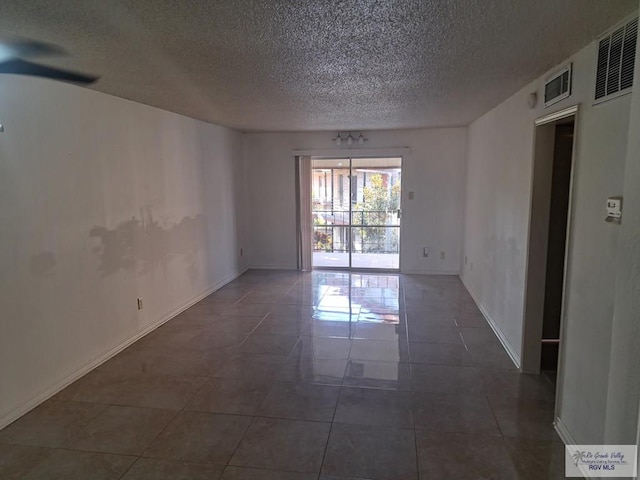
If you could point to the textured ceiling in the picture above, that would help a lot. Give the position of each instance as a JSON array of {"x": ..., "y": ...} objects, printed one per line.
[{"x": 276, "y": 65}]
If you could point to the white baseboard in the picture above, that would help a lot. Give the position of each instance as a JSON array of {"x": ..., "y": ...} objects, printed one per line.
[
  {"x": 272, "y": 267},
  {"x": 99, "y": 359},
  {"x": 567, "y": 438},
  {"x": 430, "y": 272},
  {"x": 409, "y": 272},
  {"x": 563, "y": 432},
  {"x": 515, "y": 357}
]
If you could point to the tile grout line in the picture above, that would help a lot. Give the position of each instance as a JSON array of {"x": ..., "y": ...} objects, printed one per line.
[
  {"x": 235, "y": 450},
  {"x": 326, "y": 445},
  {"x": 298, "y": 313},
  {"x": 253, "y": 417},
  {"x": 181, "y": 411},
  {"x": 33, "y": 467},
  {"x": 411, "y": 396}
]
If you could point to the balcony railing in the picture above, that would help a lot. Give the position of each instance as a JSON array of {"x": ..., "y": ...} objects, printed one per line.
[{"x": 359, "y": 231}]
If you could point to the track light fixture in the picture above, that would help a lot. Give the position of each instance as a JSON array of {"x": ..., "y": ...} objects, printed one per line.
[{"x": 350, "y": 138}]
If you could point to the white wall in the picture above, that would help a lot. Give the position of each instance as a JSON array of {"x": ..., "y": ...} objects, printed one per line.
[
  {"x": 102, "y": 201},
  {"x": 434, "y": 170},
  {"x": 500, "y": 157},
  {"x": 624, "y": 379}
]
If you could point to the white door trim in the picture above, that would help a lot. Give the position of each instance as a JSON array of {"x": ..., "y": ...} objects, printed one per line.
[
  {"x": 530, "y": 363},
  {"x": 552, "y": 117},
  {"x": 354, "y": 152}
]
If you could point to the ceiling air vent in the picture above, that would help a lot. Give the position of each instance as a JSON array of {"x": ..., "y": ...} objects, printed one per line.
[
  {"x": 557, "y": 86},
  {"x": 616, "y": 58}
]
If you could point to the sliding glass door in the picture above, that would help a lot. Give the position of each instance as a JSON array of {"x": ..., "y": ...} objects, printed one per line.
[
  {"x": 331, "y": 210},
  {"x": 356, "y": 212},
  {"x": 375, "y": 215}
]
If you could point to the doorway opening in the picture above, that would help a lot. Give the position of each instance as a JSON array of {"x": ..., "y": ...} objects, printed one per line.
[
  {"x": 548, "y": 243},
  {"x": 556, "y": 245},
  {"x": 356, "y": 212}
]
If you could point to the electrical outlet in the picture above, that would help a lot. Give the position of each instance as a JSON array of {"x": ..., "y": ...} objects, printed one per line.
[
  {"x": 442, "y": 255},
  {"x": 140, "y": 304},
  {"x": 425, "y": 252}
]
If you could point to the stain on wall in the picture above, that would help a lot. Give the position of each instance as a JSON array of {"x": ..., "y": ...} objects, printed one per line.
[
  {"x": 42, "y": 263},
  {"x": 144, "y": 244}
]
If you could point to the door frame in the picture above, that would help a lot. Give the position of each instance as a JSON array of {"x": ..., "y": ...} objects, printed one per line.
[
  {"x": 535, "y": 269},
  {"x": 350, "y": 154}
]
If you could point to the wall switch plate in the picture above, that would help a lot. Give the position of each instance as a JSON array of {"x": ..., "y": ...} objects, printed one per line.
[
  {"x": 614, "y": 210},
  {"x": 140, "y": 304},
  {"x": 412, "y": 195},
  {"x": 442, "y": 255}
]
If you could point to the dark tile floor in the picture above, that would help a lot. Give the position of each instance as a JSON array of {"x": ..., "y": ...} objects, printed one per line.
[{"x": 296, "y": 376}]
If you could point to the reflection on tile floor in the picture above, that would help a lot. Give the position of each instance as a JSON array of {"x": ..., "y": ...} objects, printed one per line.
[{"x": 291, "y": 375}]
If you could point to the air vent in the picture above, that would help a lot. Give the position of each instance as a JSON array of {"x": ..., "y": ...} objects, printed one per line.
[
  {"x": 616, "y": 59},
  {"x": 558, "y": 86}
]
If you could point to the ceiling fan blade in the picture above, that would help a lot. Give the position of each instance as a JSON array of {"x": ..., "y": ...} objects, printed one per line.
[
  {"x": 15, "y": 48},
  {"x": 21, "y": 67}
]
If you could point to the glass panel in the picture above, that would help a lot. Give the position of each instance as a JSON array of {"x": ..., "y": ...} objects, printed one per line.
[
  {"x": 375, "y": 247},
  {"x": 375, "y": 233},
  {"x": 331, "y": 191},
  {"x": 356, "y": 212}
]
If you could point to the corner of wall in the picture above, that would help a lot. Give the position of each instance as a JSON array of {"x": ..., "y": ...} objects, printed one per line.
[
  {"x": 511, "y": 351},
  {"x": 9, "y": 417}
]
